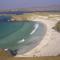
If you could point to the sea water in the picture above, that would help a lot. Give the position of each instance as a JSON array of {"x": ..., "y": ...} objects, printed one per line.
[{"x": 14, "y": 35}]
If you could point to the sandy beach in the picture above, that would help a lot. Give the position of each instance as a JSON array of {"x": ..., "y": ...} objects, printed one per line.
[{"x": 50, "y": 44}]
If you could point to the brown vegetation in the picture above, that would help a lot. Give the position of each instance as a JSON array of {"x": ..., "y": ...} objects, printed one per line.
[{"x": 57, "y": 27}]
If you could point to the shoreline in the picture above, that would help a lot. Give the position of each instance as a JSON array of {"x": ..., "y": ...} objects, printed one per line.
[
  {"x": 42, "y": 49},
  {"x": 34, "y": 38}
]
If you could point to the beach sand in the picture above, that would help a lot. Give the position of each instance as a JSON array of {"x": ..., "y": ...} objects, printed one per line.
[{"x": 50, "y": 44}]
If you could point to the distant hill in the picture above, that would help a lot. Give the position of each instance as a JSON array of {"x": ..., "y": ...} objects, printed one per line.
[{"x": 49, "y": 8}]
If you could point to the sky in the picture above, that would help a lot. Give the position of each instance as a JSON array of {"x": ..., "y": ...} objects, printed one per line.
[{"x": 13, "y": 4}]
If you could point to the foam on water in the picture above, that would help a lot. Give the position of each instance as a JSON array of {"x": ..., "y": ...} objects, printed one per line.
[
  {"x": 36, "y": 27},
  {"x": 21, "y": 41}
]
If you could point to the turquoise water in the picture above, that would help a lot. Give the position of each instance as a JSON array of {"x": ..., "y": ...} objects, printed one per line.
[
  {"x": 11, "y": 32},
  {"x": 14, "y": 35}
]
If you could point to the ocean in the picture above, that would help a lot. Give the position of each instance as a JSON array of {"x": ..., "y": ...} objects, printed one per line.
[{"x": 14, "y": 35}]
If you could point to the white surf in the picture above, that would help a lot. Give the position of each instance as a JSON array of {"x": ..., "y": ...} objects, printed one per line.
[
  {"x": 21, "y": 41},
  {"x": 36, "y": 27}
]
